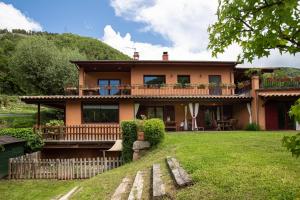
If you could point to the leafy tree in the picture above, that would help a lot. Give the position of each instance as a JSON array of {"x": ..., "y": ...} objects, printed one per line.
[
  {"x": 292, "y": 143},
  {"x": 42, "y": 68},
  {"x": 257, "y": 26},
  {"x": 60, "y": 48}
]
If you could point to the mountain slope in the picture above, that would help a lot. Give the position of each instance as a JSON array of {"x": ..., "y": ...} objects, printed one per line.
[{"x": 26, "y": 58}]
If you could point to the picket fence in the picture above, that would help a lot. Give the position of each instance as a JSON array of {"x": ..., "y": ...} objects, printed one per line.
[{"x": 29, "y": 167}]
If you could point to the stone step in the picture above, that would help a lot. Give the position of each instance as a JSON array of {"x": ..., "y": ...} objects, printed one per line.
[
  {"x": 137, "y": 187},
  {"x": 157, "y": 184},
  {"x": 180, "y": 176},
  {"x": 121, "y": 189}
]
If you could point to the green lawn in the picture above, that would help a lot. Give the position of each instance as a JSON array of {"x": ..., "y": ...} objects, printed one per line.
[
  {"x": 223, "y": 165},
  {"x": 34, "y": 189}
]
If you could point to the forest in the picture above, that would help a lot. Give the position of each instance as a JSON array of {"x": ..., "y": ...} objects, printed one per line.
[{"x": 37, "y": 63}]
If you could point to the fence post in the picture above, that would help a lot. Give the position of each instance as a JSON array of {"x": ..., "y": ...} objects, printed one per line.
[{"x": 57, "y": 168}]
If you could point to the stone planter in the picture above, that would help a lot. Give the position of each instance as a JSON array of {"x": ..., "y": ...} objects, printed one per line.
[{"x": 139, "y": 149}]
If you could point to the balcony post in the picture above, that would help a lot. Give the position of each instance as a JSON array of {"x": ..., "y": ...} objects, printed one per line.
[
  {"x": 39, "y": 115},
  {"x": 81, "y": 81},
  {"x": 254, "y": 103}
]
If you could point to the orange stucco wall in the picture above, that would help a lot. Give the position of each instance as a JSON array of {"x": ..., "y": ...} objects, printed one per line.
[
  {"x": 73, "y": 111},
  {"x": 197, "y": 74},
  {"x": 91, "y": 78},
  {"x": 126, "y": 110},
  {"x": 240, "y": 113}
]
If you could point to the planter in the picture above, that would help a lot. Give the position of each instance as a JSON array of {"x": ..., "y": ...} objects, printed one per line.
[
  {"x": 201, "y": 86},
  {"x": 141, "y": 136}
]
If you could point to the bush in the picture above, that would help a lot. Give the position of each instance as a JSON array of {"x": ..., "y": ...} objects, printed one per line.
[
  {"x": 22, "y": 122},
  {"x": 292, "y": 144},
  {"x": 252, "y": 127},
  {"x": 51, "y": 114},
  {"x": 34, "y": 141},
  {"x": 129, "y": 130},
  {"x": 17, "y": 121},
  {"x": 55, "y": 122},
  {"x": 154, "y": 131}
]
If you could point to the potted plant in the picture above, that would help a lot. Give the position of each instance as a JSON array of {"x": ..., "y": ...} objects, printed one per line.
[
  {"x": 201, "y": 86},
  {"x": 240, "y": 85},
  {"x": 223, "y": 85},
  {"x": 188, "y": 86},
  {"x": 212, "y": 85},
  {"x": 140, "y": 128},
  {"x": 231, "y": 86},
  {"x": 178, "y": 86}
]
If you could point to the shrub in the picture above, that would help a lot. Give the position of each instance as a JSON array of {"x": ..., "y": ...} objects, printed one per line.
[
  {"x": 292, "y": 144},
  {"x": 34, "y": 141},
  {"x": 129, "y": 130},
  {"x": 154, "y": 131},
  {"x": 252, "y": 127},
  {"x": 51, "y": 114},
  {"x": 17, "y": 121},
  {"x": 55, "y": 122},
  {"x": 23, "y": 122}
]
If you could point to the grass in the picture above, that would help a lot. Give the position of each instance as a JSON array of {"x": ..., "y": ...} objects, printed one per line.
[
  {"x": 12, "y": 104},
  {"x": 34, "y": 189},
  {"x": 223, "y": 165}
]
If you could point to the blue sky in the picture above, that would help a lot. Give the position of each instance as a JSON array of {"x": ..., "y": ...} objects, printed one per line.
[
  {"x": 149, "y": 26},
  {"x": 83, "y": 17}
]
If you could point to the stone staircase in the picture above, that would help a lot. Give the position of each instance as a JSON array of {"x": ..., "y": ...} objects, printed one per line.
[{"x": 157, "y": 188}]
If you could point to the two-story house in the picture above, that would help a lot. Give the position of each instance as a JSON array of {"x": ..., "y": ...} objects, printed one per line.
[{"x": 186, "y": 95}]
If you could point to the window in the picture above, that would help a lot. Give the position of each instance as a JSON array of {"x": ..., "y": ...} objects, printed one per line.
[
  {"x": 183, "y": 79},
  {"x": 96, "y": 113},
  {"x": 155, "y": 112},
  {"x": 215, "y": 81},
  {"x": 109, "y": 87},
  {"x": 154, "y": 79}
]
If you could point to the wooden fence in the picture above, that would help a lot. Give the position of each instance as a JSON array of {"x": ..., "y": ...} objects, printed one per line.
[
  {"x": 106, "y": 132},
  {"x": 27, "y": 167}
]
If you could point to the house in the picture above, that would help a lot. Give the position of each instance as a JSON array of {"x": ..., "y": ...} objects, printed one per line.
[{"x": 187, "y": 95}]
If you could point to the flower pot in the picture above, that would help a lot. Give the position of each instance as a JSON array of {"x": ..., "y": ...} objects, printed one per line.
[{"x": 141, "y": 136}]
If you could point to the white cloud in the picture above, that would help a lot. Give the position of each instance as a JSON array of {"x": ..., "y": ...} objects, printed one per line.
[
  {"x": 184, "y": 24},
  {"x": 12, "y": 18}
]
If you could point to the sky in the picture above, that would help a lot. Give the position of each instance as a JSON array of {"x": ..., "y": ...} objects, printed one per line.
[{"x": 147, "y": 26}]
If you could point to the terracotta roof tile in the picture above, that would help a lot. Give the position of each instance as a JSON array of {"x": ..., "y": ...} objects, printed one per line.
[
  {"x": 66, "y": 97},
  {"x": 279, "y": 94}
]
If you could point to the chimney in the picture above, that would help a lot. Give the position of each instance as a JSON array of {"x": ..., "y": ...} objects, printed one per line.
[
  {"x": 136, "y": 55},
  {"x": 165, "y": 56}
]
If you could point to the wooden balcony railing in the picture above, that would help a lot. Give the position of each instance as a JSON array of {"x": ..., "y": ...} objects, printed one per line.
[
  {"x": 165, "y": 89},
  {"x": 109, "y": 132},
  {"x": 280, "y": 83}
]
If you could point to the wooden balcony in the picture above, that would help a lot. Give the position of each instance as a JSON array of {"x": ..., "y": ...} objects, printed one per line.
[
  {"x": 280, "y": 83},
  {"x": 80, "y": 133},
  {"x": 159, "y": 90}
]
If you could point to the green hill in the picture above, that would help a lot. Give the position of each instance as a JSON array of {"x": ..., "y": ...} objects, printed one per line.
[{"x": 38, "y": 62}]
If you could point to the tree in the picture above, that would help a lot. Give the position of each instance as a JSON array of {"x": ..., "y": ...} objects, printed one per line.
[
  {"x": 41, "y": 68},
  {"x": 257, "y": 26},
  {"x": 292, "y": 143}
]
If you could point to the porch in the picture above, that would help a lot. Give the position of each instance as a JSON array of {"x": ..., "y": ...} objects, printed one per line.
[{"x": 197, "y": 115}]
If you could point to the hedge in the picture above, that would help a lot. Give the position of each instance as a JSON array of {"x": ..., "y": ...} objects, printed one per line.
[
  {"x": 129, "y": 130},
  {"x": 252, "y": 127},
  {"x": 34, "y": 141},
  {"x": 154, "y": 130}
]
